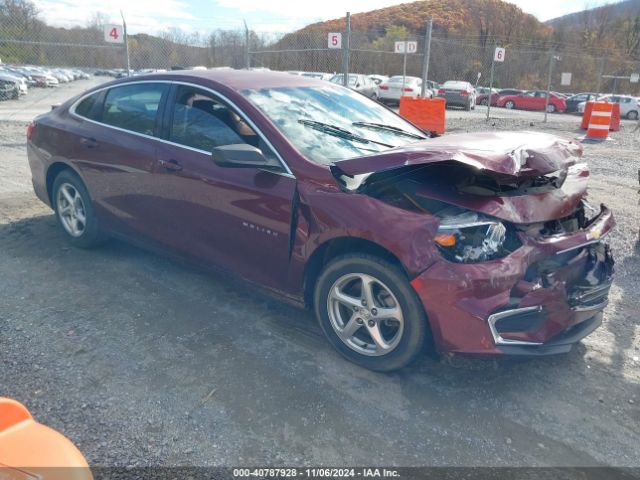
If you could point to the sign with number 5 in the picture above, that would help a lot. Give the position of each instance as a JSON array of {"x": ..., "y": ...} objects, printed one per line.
[
  {"x": 498, "y": 55},
  {"x": 335, "y": 40},
  {"x": 113, "y": 34}
]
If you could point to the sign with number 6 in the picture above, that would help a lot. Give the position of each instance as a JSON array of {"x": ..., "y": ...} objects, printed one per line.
[
  {"x": 335, "y": 40},
  {"x": 498, "y": 55},
  {"x": 113, "y": 34}
]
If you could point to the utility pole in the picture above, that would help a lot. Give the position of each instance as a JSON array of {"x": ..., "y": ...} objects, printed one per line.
[
  {"x": 598, "y": 89},
  {"x": 404, "y": 67},
  {"x": 345, "y": 51},
  {"x": 427, "y": 53},
  {"x": 247, "y": 56},
  {"x": 126, "y": 44},
  {"x": 552, "y": 57}
]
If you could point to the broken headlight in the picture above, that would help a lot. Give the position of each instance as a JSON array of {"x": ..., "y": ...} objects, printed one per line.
[{"x": 469, "y": 237}]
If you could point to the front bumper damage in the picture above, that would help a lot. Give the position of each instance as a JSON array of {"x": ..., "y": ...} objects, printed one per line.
[{"x": 539, "y": 300}]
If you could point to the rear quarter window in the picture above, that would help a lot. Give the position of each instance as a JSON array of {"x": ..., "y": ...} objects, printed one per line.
[{"x": 88, "y": 107}]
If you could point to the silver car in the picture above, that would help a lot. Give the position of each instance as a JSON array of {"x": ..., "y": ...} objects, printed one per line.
[
  {"x": 359, "y": 83},
  {"x": 458, "y": 93}
]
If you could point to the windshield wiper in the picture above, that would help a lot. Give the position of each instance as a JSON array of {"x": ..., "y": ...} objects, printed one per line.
[
  {"x": 339, "y": 132},
  {"x": 389, "y": 128}
]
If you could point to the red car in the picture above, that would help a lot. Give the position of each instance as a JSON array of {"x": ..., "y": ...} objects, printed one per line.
[
  {"x": 533, "y": 100},
  {"x": 477, "y": 243}
]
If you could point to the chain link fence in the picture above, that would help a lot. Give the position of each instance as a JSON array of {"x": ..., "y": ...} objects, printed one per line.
[{"x": 26, "y": 39}]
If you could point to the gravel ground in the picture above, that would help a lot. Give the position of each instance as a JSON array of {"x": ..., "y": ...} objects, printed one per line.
[{"x": 143, "y": 361}]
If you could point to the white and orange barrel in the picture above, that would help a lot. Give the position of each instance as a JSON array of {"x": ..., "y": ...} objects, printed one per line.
[{"x": 600, "y": 120}]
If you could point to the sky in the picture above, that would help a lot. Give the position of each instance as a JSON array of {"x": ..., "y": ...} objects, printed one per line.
[{"x": 153, "y": 16}]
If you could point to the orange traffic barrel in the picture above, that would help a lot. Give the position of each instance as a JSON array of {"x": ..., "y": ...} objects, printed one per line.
[
  {"x": 428, "y": 114},
  {"x": 600, "y": 121},
  {"x": 615, "y": 118},
  {"x": 30, "y": 450},
  {"x": 586, "y": 115}
]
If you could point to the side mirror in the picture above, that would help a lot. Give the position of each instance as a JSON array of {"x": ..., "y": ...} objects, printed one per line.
[{"x": 242, "y": 155}]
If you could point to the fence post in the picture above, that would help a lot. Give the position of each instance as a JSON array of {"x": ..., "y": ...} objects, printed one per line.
[
  {"x": 602, "y": 60},
  {"x": 345, "y": 51},
  {"x": 493, "y": 63},
  {"x": 247, "y": 56},
  {"x": 126, "y": 44},
  {"x": 427, "y": 53},
  {"x": 552, "y": 56}
]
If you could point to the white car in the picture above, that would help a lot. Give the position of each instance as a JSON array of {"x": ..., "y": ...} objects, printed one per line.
[
  {"x": 629, "y": 107},
  {"x": 398, "y": 86}
]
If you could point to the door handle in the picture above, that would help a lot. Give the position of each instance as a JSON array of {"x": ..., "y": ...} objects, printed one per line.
[
  {"x": 89, "y": 142},
  {"x": 171, "y": 165}
]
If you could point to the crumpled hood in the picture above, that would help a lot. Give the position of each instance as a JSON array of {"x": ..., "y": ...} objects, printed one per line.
[{"x": 507, "y": 153}]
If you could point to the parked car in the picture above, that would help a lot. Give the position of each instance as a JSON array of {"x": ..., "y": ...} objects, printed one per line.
[
  {"x": 359, "y": 83},
  {"x": 395, "y": 240},
  {"x": 628, "y": 105},
  {"x": 533, "y": 100},
  {"x": 19, "y": 82},
  {"x": 9, "y": 88},
  {"x": 378, "y": 79},
  {"x": 459, "y": 94},
  {"x": 45, "y": 80},
  {"x": 483, "y": 94},
  {"x": 398, "y": 86},
  {"x": 573, "y": 101}
]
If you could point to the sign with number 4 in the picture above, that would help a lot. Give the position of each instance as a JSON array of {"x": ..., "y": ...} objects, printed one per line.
[
  {"x": 498, "y": 55},
  {"x": 335, "y": 40},
  {"x": 113, "y": 34}
]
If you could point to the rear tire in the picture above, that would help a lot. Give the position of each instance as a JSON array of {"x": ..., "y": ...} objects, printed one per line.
[
  {"x": 369, "y": 312},
  {"x": 551, "y": 108},
  {"x": 74, "y": 211},
  {"x": 484, "y": 102},
  {"x": 510, "y": 105}
]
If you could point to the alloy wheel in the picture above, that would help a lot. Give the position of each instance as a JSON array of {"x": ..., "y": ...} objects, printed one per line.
[
  {"x": 365, "y": 314},
  {"x": 71, "y": 210}
]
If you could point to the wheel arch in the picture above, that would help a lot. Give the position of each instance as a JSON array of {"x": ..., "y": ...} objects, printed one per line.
[
  {"x": 52, "y": 172},
  {"x": 338, "y": 246}
]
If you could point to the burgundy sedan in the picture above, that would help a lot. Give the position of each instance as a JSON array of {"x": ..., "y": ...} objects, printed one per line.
[{"x": 473, "y": 243}]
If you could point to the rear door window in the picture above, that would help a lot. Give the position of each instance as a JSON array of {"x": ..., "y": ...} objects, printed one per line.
[{"x": 134, "y": 107}]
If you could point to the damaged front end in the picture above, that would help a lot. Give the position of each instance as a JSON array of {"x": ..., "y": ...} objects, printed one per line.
[{"x": 524, "y": 268}]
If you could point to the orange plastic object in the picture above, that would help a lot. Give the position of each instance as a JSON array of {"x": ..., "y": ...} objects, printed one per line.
[
  {"x": 30, "y": 450},
  {"x": 586, "y": 115},
  {"x": 615, "y": 118},
  {"x": 600, "y": 120},
  {"x": 425, "y": 113}
]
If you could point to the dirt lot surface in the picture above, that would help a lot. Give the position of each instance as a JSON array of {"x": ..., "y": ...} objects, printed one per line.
[{"x": 144, "y": 361}]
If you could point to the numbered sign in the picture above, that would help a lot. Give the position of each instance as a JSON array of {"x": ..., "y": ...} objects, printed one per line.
[
  {"x": 565, "y": 78},
  {"x": 335, "y": 40},
  {"x": 113, "y": 34},
  {"x": 412, "y": 47},
  {"x": 498, "y": 55},
  {"x": 634, "y": 78},
  {"x": 399, "y": 47}
]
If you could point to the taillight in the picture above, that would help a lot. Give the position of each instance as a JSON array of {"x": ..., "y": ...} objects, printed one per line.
[
  {"x": 407, "y": 89},
  {"x": 384, "y": 87},
  {"x": 464, "y": 93},
  {"x": 441, "y": 91},
  {"x": 31, "y": 128}
]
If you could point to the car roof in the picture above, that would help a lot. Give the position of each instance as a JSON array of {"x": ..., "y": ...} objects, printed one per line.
[{"x": 234, "y": 79}]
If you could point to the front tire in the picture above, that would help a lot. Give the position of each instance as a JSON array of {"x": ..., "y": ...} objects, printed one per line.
[
  {"x": 551, "y": 108},
  {"x": 74, "y": 211},
  {"x": 632, "y": 115},
  {"x": 369, "y": 312},
  {"x": 510, "y": 105}
]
